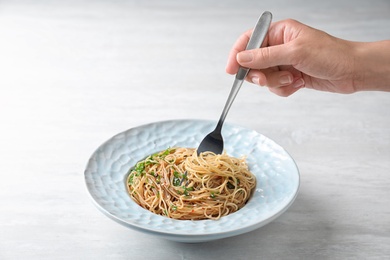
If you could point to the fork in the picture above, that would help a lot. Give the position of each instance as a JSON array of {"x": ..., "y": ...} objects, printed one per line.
[{"x": 213, "y": 142}]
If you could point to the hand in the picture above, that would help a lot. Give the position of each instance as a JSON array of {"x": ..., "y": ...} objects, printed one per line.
[{"x": 294, "y": 56}]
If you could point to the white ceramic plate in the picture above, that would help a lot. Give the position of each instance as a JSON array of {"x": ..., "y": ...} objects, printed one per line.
[{"x": 276, "y": 174}]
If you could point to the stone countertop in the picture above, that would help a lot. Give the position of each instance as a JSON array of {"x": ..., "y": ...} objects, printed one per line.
[{"x": 75, "y": 73}]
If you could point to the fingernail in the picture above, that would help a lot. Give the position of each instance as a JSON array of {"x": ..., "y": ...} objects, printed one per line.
[
  {"x": 244, "y": 57},
  {"x": 298, "y": 84},
  {"x": 256, "y": 80},
  {"x": 285, "y": 80}
]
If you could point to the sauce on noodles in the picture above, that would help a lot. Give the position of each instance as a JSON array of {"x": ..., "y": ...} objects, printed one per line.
[{"x": 179, "y": 184}]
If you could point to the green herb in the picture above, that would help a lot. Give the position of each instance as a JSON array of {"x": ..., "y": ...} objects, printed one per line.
[
  {"x": 149, "y": 161},
  {"x": 140, "y": 168},
  {"x": 186, "y": 190},
  {"x": 159, "y": 155},
  {"x": 176, "y": 178},
  {"x": 212, "y": 195},
  {"x": 166, "y": 152},
  {"x": 154, "y": 155},
  {"x": 131, "y": 178},
  {"x": 174, "y": 207}
]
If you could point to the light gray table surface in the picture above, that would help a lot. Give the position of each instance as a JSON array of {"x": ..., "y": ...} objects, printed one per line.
[{"x": 75, "y": 73}]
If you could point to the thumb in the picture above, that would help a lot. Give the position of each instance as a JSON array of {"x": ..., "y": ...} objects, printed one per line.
[{"x": 266, "y": 57}]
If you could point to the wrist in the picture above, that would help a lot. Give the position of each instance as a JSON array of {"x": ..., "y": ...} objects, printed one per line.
[{"x": 371, "y": 66}]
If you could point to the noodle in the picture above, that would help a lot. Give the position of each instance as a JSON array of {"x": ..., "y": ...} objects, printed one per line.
[{"x": 179, "y": 184}]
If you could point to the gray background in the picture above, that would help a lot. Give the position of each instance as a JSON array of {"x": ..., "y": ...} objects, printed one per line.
[{"x": 75, "y": 73}]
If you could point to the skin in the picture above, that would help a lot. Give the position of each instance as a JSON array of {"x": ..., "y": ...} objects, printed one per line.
[{"x": 295, "y": 56}]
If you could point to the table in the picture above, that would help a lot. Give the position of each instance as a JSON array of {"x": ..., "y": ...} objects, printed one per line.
[{"x": 75, "y": 73}]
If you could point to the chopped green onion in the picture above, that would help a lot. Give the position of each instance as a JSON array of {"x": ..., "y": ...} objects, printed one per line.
[
  {"x": 176, "y": 178},
  {"x": 186, "y": 190},
  {"x": 131, "y": 178},
  {"x": 140, "y": 168}
]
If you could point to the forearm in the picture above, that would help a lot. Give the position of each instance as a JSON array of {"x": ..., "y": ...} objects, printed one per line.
[{"x": 372, "y": 66}]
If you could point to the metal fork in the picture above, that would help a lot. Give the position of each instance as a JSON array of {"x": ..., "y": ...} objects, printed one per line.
[{"x": 213, "y": 142}]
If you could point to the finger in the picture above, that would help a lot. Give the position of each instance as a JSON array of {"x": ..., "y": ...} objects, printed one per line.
[
  {"x": 256, "y": 77},
  {"x": 240, "y": 45},
  {"x": 266, "y": 57},
  {"x": 279, "y": 35},
  {"x": 278, "y": 79},
  {"x": 271, "y": 77},
  {"x": 283, "y": 83},
  {"x": 284, "y": 91},
  {"x": 289, "y": 89}
]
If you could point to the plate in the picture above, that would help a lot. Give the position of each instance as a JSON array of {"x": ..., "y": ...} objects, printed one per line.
[{"x": 277, "y": 179}]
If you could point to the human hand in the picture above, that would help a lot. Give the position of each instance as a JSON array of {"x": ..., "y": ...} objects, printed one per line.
[{"x": 294, "y": 56}]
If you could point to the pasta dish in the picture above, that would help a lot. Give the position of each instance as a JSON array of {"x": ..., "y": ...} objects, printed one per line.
[{"x": 179, "y": 184}]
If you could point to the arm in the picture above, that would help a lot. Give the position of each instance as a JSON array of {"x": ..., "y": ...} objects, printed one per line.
[{"x": 372, "y": 65}]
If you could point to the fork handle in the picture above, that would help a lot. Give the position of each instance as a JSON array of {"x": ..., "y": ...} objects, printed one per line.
[{"x": 256, "y": 39}]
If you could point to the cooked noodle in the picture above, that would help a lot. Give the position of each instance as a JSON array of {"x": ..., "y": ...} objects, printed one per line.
[{"x": 179, "y": 184}]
